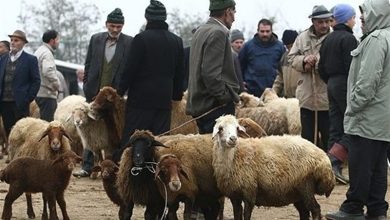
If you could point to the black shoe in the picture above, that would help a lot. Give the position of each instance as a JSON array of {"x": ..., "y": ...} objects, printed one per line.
[
  {"x": 339, "y": 177},
  {"x": 340, "y": 215},
  {"x": 381, "y": 217},
  {"x": 81, "y": 173}
]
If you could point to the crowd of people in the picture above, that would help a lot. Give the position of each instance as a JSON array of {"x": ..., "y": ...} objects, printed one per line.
[{"x": 342, "y": 83}]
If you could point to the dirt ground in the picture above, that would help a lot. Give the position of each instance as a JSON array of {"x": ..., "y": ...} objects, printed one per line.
[{"x": 86, "y": 200}]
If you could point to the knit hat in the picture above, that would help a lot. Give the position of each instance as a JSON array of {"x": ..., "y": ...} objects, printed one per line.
[
  {"x": 319, "y": 11},
  {"x": 19, "y": 34},
  {"x": 155, "y": 11},
  {"x": 221, "y": 4},
  {"x": 236, "y": 34},
  {"x": 289, "y": 36},
  {"x": 343, "y": 12},
  {"x": 116, "y": 17}
]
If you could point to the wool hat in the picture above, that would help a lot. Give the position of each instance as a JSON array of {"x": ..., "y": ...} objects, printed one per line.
[
  {"x": 19, "y": 34},
  {"x": 289, "y": 36},
  {"x": 221, "y": 4},
  {"x": 319, "y": 11},
  {"x": 116, "y": 17},
  {"x": 236, "y": 34},
  {"x": 343, "y": 12},
  {"x": 155, "y": 11}
]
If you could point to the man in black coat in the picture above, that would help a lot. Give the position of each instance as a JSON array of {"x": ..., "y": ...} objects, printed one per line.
[
  {"x": 154, "y": 75},
  {"x": 105, "y": 63}
]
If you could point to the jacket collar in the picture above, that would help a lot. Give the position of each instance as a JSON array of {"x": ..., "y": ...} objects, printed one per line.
[{"x": 156, "y": 25}]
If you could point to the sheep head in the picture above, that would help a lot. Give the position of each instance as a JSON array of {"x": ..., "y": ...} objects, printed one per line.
[
  {"x": 268, "y": 95},
  {"x": 226, "y": 131},
  {"x": 143, "y": 146},
  {"x": 252, "y": 128},
  {"x": 82, "y": 115},
  {"x": 69, "y": 159},
  {"x": 107, "y": 168},
  {"x": 104, "y": 100},
  {"x": 248, "y": 100},
  {"x": 169, "y": 169},
  {"x": 55, "y": 132}
]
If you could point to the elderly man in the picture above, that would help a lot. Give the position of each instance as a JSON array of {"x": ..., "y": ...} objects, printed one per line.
[
  {"x": 19, "y": 81},
  {"x": 311, "y": 90}
]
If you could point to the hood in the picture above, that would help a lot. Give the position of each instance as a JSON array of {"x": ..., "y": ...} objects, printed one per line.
[{"x": 376, "y": 15}]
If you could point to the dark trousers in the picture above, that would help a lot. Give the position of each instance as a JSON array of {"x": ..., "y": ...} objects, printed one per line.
[
  {"x": 337, "y": 94},
  {"x": 207, "y": 122},
  {"x": 156, "y": 121},
  {"x": 308, "y": 123},
  {"x": 367, "y": 163},
  {"x": 11, "y": 114},
  {"x": 88, "y": 160},
  {"x": 47, "y": 107}
]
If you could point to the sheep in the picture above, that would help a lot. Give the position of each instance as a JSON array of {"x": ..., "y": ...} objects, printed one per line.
[
  {"x": 3, "y": 139},
  {"x": 94, "y": 134},
  {"x": 34, "y": 110},
  {"x": 269, "y": 171},
  {"x": 38, "y": 139},
  {"x": 135, "y": 181},
  {"x": 288, "y": 107},
  {"x": 248, "y": 100},
  {"x": 109, "y": 171},
  {"x": 30, "y": 175},
  {"x": 273, "y": 122},
  {"x": 63, "y": 114}
]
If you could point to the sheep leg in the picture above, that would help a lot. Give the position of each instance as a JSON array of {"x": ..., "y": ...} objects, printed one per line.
[
  {"x": 128, "y": 212},
  {"x": 172, "y": 209},
  {"x": 62, "y": 204},
  {"x": 304, "y": 213},
  {"x": 310, "y": 201},
  {"x": 211, "y": 212},
  {"x": 222, "y": 207},
  {"x": 12, "y": 195},
  {"x": 44, "y": 212},
  {"x": 248, "y": 209},
  {"x": 30, "y": 209},
  {"x": 237, "y": 208},
  {"x": 51, "y": 199}
]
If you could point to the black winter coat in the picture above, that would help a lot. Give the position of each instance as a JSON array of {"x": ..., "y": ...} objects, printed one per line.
[{"x": 154, "y": 73}]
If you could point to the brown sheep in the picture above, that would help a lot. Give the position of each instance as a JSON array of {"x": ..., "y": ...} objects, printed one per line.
[
  {"x": 179, "y": 117},
  {"x": 109, "y": 172},
  {"x": 51, "y": 177}
]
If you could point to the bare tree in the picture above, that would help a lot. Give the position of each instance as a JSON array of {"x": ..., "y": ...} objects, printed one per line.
[{"x": 73, "y": 21}]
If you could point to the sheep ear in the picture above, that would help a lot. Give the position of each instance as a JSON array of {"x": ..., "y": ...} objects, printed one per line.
[
  {"x": 158, "y": 143},
  {"x": 44, "y": 134},
  {"x": 242, "y": 132},
  {"x": 96, "y": 169},
  {"x": 68, "y": 118},
  {"x": 215, "y": 131},
  {"x": 66, "y": 134},
  {"x": 184, "y": 173}
]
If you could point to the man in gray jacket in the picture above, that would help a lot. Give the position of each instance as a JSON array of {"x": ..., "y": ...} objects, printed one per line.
[
  {"x": 48, "y": 91},
  {"x": 212, "y": 79},
  {"x": 106, "y": 58},
  {"x": 367, "y": 117}
]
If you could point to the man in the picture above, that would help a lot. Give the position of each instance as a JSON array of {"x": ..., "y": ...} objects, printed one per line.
[
  {"x": 154, "y": 75},
  {"x": 48, "y": 91},
  {"x": 236, "y": 41},
  {"x": 333, "y": 67},
  {"x": 260, "y": 57},
  {"x": 286, "y": 81},
  {"x": 311, "y": 90},
  {"x": 19, "y": 81},
  {"x": 367, "y": 117},
  {"x": 4, "y": 47},
  {"x": 213, "y": 84},
  {"x": 106, "y": 58}
]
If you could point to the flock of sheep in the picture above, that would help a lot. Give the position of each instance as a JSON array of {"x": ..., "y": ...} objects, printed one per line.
[{"x": 253, "y": 158}]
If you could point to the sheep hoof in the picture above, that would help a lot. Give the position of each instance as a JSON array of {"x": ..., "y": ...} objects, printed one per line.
[{"x": 94, "y": 175}]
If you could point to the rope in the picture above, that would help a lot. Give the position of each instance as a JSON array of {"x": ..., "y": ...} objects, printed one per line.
[
  {"x": 135, "y": 171},
  {"x": 193, "y": 119},
  {"x": 165, "y": 212}
]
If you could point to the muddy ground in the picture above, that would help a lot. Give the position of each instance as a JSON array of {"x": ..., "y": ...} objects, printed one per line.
[{"x": 86, "y": 200}]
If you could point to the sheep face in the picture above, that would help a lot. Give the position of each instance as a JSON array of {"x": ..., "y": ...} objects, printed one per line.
[
  {"x": 168, "y": 169},
  {"x": 81, "y": 116},
  {"x": 55, "y": 135},
  {"x": 107, "y": 168},
  {"x": 268, "y": 95},
  {"x": 143, "y": 146},
  {"x": 226, "y": 131},
  {"x": 103, "y": 100}
]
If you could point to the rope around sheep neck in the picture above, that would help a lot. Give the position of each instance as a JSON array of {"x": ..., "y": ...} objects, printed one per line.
[{"x": 165, "y": 212}]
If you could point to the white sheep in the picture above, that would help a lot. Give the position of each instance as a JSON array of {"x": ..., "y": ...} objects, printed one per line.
[
  {"x": 289, "y": 107},
  {"x": 269, "y": 171},
  {"x": 63, "y": 114}
]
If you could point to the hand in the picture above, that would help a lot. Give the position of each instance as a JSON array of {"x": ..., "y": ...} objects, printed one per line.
[
  {"x": 310, "y": 59},
  {"x": 308, "y": 68}
]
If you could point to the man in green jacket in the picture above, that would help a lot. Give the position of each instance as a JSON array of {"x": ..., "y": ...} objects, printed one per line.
[{"x": 367, "y": 117}]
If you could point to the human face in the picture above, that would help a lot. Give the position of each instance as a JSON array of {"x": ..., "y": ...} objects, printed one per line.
[
  {"x": 17, "y": 44},
  {"x": 362, "y": 19},
  {"x": 54, "y": 42},
  {"x": 237, "y": 44},
  {"x": 351, "y": 22},
  {"x": 321, "y": 26},
  {"x": 114, "y": 29},
  {"x": 3, "y": 48},
  {"x": 264, "y": 32},
  {"x": 229, "y": 17}
]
